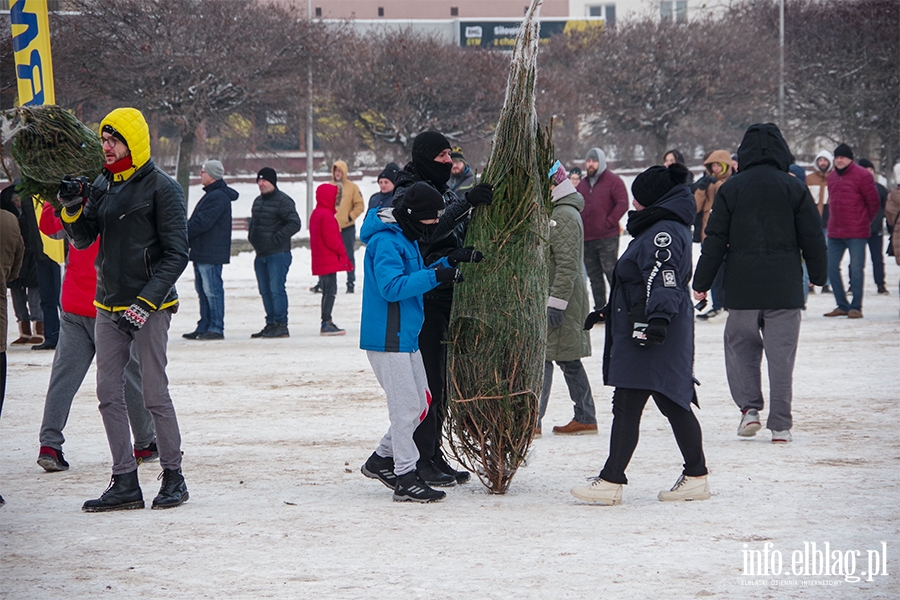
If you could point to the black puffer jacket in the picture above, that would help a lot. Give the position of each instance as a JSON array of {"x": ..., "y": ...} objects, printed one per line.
[
  {"x": 273, "y": 220},
  {"x": 143, "y": 237},
  {"x": 766, "y": 222}
]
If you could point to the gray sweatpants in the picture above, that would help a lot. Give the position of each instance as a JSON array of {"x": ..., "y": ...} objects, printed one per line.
[
  {"x": 74, "y": 354},
  {"x": 113, "y": 349},
  {"x": 749, "y": 333},
  {"x": 402, "y": 376},
  {"x": 579, "y": 390}
]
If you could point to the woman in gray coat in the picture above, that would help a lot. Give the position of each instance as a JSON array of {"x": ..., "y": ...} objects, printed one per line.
[{"x": 567, "y": 307}]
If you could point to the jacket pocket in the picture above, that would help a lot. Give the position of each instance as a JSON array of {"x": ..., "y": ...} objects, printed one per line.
[
  {"x": 148, "y": 265},
  {"x": 135, "y": 209}
]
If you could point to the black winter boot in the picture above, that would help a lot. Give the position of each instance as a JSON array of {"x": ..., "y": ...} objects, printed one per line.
[
  {"x": 123, "y": 493},
  {"x": 433, "y": 476},
  {"x": 442, "y": 465},
  {"x": 279, "y": 330},
  {"x": 173, "y": 492},
  {"x": 411, "y": 488}
]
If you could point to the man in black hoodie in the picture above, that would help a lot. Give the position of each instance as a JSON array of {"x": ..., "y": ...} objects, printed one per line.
[
  {"x": 432, "y": 164},
  {"x": 767, "y": 223}
]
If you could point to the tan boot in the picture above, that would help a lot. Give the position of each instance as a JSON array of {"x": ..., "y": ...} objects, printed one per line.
[
  {"x": 600, "y": 492},
  {"x": 573, "y": 427},
  {"x": 686, "y": 489},
  {"x": 38, "y": 337},
  {"x": 24, "y": 333}
]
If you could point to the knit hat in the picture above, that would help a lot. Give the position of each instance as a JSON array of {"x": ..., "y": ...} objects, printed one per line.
[
  {"x": 428, "y": 145},
  {"x": 798, "y": 172},
  {"x": 214, "y": 169},
  {"x": 575, "y": 171},
  {"x": 865, "y": 163},
  {"x": 268, "y": 173},
  {"x": 457, "y": 155},
  {"x": 600, "y": 156},
  {"x": 115, "y": 133},
  {"x": 657, "y": 181},
  {"x": 844, "y": 150},
  {"x": 390, "y": 172},
  {"x": 558, "y": 173},
  {"x": 422, "y": 202}
]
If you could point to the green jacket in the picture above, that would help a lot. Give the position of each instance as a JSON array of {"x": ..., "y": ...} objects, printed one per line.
[{"x": 568, "y": 288}]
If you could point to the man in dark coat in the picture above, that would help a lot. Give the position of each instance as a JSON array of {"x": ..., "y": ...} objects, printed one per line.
[
  {"x": 273, "y": 220},
  {"x": 767, "y": 223},
  {"x": 209, "y": 234}
]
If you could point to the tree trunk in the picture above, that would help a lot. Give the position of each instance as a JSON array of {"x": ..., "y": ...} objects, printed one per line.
[
  {"x": 661, "y": 135},
  {"x": 185, "y": 151}
]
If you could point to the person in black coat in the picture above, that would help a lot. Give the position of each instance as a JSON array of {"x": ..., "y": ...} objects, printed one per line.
[
  {"x": 209, "y": 234},
  {"x": 766, "y": 222},
  {"x": 650, "y": 336},
  {"x": 273, "y": 220}
]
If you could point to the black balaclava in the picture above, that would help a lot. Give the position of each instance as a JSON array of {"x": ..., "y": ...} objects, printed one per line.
[
  {"x": 425, "y": 149},
  {"x": 421, "y": 202}
]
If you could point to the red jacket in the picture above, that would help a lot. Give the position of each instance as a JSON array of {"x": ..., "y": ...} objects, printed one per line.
[
  {"x": 325, "y": 242},
  {"x": 604, "y": 205},
  {"x": 79, "y": 286},
  {"x": 853, "y": 202}
]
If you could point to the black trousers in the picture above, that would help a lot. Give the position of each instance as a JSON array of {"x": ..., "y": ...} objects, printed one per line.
[
  {"x": 328, "y": 283},
  {"x": 434, "y": 356},
  {"x": 628, "y": 405}
]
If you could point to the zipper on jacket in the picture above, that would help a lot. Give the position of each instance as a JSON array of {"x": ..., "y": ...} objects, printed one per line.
[
  {"x": 122, "y": 216},
  {"x": 147, "y": 265}
]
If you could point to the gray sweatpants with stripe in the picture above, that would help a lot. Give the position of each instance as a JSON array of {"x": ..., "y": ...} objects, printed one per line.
[
  {"x": 747, "y": 334},
  {"x": 402, "y": 376}
]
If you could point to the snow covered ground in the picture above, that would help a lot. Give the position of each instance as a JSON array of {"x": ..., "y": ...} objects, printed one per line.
[{"x": 275, "y": 432}]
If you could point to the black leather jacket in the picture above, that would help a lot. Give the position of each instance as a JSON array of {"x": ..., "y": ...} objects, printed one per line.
[{"x": 143, "y": 237}]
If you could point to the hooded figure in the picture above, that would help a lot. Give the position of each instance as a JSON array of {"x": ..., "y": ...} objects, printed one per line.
[
  {"x": 329, "y": 256},
  {"x": 718, "y": 165},
  {"x": 817, "y": 181}
]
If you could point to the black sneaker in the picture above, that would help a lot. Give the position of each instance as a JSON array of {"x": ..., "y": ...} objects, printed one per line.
[
  {"x": 316, "y": 289},
  {"x": 350, "y": 288},
  {"x": 123, "y": 493},
  {"x": 148, "y": 454},
  {"x": 411, "y": 488},
  {"x": 441, "y": 464},
  {"x": 192, "y": 335},
  {"x": 173, "y": 492},
  {"x": 278, "y": 330},
  {"x": 432, "y": 476},
  {"x": 211, "y": 335},
  {"x": 263, "y": 331},
  {"x": 52, "y": 460},
  {"x": 380, "y": 468}
]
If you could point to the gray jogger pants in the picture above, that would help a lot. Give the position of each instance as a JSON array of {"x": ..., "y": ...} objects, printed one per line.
[
  {"x": 402, "y": 376},
  {"x": 749, "y": 333},
  {"x": 113, "y": 350},
  {"x": 74, "y": 354}
]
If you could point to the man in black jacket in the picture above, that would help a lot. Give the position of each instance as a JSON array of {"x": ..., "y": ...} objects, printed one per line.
[
  {"x": 767, "y": 223},
  {"x": 137, "y": 210},
  {"x": 209, "y": 234},
  {"x": 273, "y": 220}
]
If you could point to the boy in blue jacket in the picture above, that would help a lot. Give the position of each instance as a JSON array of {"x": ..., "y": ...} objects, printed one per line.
[{"x": 392, "y": 315}]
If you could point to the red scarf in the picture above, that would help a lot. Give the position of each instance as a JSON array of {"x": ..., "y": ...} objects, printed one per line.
[{"x": 121, "y": 165}]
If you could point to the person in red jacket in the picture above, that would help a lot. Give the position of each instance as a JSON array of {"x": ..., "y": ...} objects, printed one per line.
[
  {"x": 74, "y": 354},
  {"x": 329, "y": 256},
  {"x": 605, "y": 202},
  {"x": 853, "y": 203}
]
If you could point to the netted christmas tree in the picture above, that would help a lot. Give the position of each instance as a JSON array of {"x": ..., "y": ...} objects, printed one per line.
[
  {"x": 497, "y": 334},
  {"x": 48, "y": 142}
]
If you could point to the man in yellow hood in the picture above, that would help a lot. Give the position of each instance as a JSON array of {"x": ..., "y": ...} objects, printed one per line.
[
  {"x": 349, "y": 207},
  {"x": 138, "y": 212}
]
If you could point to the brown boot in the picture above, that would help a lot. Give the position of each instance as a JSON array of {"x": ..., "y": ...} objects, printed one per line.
[
  {"x": 24, "y": 333},
  {"x": 576, "y": 428},
  {"x": 38, "y": 337},
  {"x": 837, "y": 312}
]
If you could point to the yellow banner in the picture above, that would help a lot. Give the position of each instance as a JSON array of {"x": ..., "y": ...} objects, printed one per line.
[{"x": 31, "y": 45}]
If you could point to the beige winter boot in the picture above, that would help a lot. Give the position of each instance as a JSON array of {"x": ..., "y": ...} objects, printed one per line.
[
  {"x": 686, "y": 489},
  {"x": 24, "y": 333},
  {"x": 599, "y": 491}
]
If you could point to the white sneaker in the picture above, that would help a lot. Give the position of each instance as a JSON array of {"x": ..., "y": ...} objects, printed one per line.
[
  {"x": 749, "y": 423},
  {"x": 687, "y": 489},
  {"x": 781, "y": 437},
  {"x": 599, "y": 492}
]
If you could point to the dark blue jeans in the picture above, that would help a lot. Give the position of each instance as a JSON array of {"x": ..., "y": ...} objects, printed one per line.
[
  {"x": 208, "y": 283},
  {"x": 271, "y": 275},
  {"x": 49, "y": 284},
  {"x": 857, "y": 248}
]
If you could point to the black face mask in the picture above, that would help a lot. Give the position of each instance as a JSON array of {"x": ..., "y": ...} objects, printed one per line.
[
  {"x": 436, "y": 173},
  {"x": 413, "y": 229}
]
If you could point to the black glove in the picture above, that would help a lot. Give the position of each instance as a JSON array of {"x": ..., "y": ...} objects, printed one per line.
[
  {"x": 598, "y": 316},
  {"x": 135, "y": 317},
  {"x": 656, "y": 332},
  {"x": 73, "y": 191},
  {"x": 554, "y": 317},
  {"x": 483, "y": 193},
  {"x": 444, "y": 275},
  {"x": 467, "y": 254}
]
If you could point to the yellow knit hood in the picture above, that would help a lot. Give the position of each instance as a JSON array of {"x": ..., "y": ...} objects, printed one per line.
[{"x": 132, "y": 126}]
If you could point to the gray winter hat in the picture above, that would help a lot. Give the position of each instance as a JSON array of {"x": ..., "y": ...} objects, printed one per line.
[
  {"x": 600, "y": 156},
  {"x": 214, "y": 169}
]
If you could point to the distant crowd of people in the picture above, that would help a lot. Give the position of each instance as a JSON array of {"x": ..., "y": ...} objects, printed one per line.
[{"x": 769, "y": 234}]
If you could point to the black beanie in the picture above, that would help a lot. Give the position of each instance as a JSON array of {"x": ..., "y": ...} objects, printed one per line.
[
  {"x": 390, "y": 172},
  {"x": 115, "y": 133},
  {"x": 657, "y": 181},
  {"x": 865, "y": 163},
  {"x": 844, "y": 150},
  {"x": 428, "y": 145},
  {"x": 268, "y": 173},
  {"x": 422, "y": 202}
]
